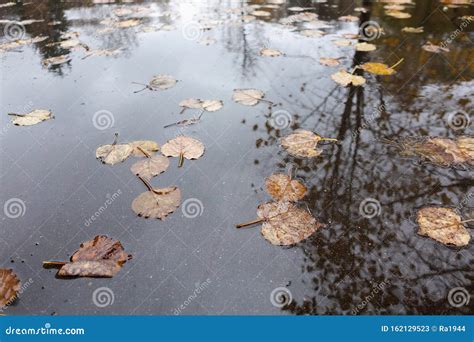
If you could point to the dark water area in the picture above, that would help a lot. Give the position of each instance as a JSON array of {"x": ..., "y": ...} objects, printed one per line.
[{"x": 368, "y": 259}]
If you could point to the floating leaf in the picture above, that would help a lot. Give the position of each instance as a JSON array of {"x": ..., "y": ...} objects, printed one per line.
[
  {"x": 380, "y": 68},
  {"x": 267, "y": 52},
  {"x": 127, "y": 23},
  {"x": 186, "y": 122},
  {"x": 99, "y": 257},
  {"x": 259, "y": 13},
  {"x": 440, "y": 151},
  {"x": 302, "y": 143},
  {"x": 207, "y": 41},
  {"x": 284, "y": 224},
  {"x": 156, "y": 203},
  {"x": 344, "y": 78},
  {"x": 159, "y": 82},
  {"x": 150, "y": 167},
  {"x": 102, "y": 52},
  {"x": 248, "y": 97},
  {"x": 144, "y": 146},
  {"x": 56, "y": 60},
  {"x": 32, "y": 118},
  {"x": 366, "y": 47},
  {"x": 183, "y": 147},
  {"x": 9, "y": 287},
  {"x": 329, "y": 61},
  {"x": 349, "y": 18},
  {"x": 312, "y": 33},
  {"x": 282, "y": 188},
  {"x": 443, "y": 225},
  {"x": 430, "y": 47},
  {"x": 398, "y": 14},
  {"x": 114, "y": 153},
  {"x": 207, "y": 105},
  {"x": 342, "y": 42},
  {"x": 413, "y": 29}
]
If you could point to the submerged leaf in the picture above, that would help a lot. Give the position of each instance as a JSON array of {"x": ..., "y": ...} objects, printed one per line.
[
  {"x": 282, "y": 188},
  {"x": 344, "y": 78},
  {"x": 248, "y": 97},
  {"x": 32, "y": 118},
  {"x": 9, "y": 287},
  {"x": 302, "y": 143},
  {"x": 443, "y": 225}
]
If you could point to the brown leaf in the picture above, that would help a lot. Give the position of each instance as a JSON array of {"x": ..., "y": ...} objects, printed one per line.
[
  {"x": 282, "y": 188},
  {"x": 9, "y": 287},
  {"x": 443, "y": 225},
  {"x": 183, "y": 147},
  {"x": 248, "y": 97},
  {"x": 267, "y": 52},
  {"x": 344, "y": 78},
  {"x": 302, "y": 143},
  {"x": 32, "y": 118},
  {"x": 285, "y": 224},
  {"x": 99, "y": 257},
  {"x": 157, "y": 203},
  {"x": 113, "y": 154},
  {"x": 329, "y": 61},
  {"x": 430, "y": 47},
  {"x": 146, "y": 145},
  {"x": 366, "y": 47},
  {"x": 150, "y": 167}
]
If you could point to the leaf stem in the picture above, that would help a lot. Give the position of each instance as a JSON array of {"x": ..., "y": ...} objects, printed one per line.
[
  {"x": 250, "y": 223},
  {"x": 144, "y": 152},
  {"x": 466, "y": 221},
  {"x": 148, "y": 185},
  {"x": 328, "y": 139},
  {"x": 397, "y": 64},
  {"x": 181, "y": 159},
  {"x": 115, "y": 139},
  {"x": 53, "y": 263}
]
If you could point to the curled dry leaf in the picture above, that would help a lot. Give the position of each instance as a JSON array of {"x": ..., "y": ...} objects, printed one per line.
[
  {"x": 183, "y": 147},
  {"x": 366, "y": 47},
  {"x": 443, "y": 225},
  {"x": 344, "y": 78},
  {"x": 248, "y": 97},
  {"x": 302, "y": 143},
  {"x": 284, "y": 224},
  {"x": 329, "y": 61},
  {"x": 413, "y": 29},
  {"x": 99, "y": 257},
  {"x": 113, "y": 153},
  {"x": 143, "y": 147},
  {"x": 282, "y": 188},
  {"x": 156, "y": 203},
  {"x": 9, "y": 287},
  {"x": 56, "y": 60},
  {"x": 267, "y": 52},
  {"x": 430, "y": 47},
  {"x": 32, "y": 118}
]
